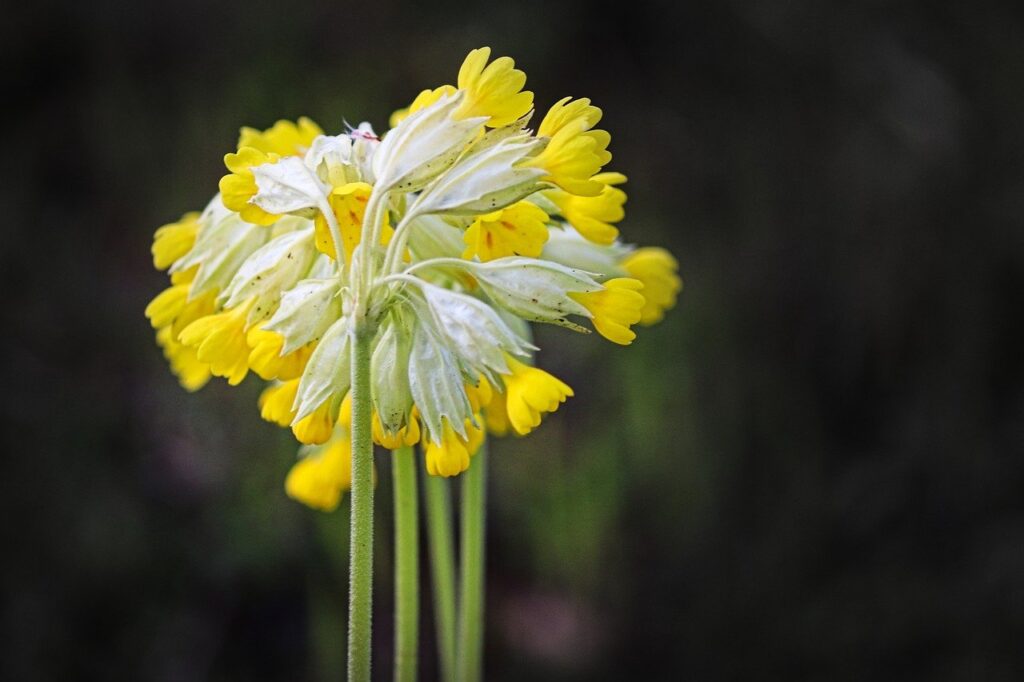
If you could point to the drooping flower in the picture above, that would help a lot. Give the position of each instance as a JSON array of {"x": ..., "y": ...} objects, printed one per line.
[
  {"x": 656, "y": 269},
  {"x": 322, "y": 473}
]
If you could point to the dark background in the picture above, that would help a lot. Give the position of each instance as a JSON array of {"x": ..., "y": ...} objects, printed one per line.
[{"x": 812, "y": 470}]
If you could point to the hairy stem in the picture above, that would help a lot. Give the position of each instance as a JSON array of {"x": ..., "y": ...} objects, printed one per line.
[
  {"x": 360, "y": 594},
  {"x": 471, "y": 599},
  {"x": 437, "y": 496},
  {"x": 407, "y": 567}
]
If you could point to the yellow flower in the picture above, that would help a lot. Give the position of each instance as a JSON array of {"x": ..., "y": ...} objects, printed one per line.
[
  {"x": 519, "y": 230},
  {"x": 593, "y": 216},
  {"x": 405, "y": 436},
  {"x": 192, "y": 374},
  {"x": 530, "y": 392},
  {"x": 481, "y": 394},
  {"x": 492, "y": 89},
  {"x": 317, "y": 426},
  {"x": 451, "y": 456},
  {"x": 284, "y": 138},
  {"x": 657, "y": 269},
  {"x": 174, "y": 240},
  {"x": 276, "y": 402},
  {"x": 496, "y": 415},
  {"x": 318, "y": 479},
  {"x": 266, "y": 360},
  {"x": 614, "y": 308},
  {"x": 422, "y": 101},
  {"x": 349, "y": 205},
  {"x": 574, "y": 153},
  {"x": 239, "y": 186},
  {"x": 219, "y": 340}
]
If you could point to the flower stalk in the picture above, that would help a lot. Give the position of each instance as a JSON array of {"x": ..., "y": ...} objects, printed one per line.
[
  {"x": 361, "y": 524},
  {"x": 407, "y": 578},
  {"x": 471, "y": 598},
  {"x": 442, "y": 569}
]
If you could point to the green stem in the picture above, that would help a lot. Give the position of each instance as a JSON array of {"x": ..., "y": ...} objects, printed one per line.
[
  {"x": 471, "y": 600},
  {"x": 360, "y": 587},
  {"x": 442, "y": 565},
  {"x": 407, "y": 567}
]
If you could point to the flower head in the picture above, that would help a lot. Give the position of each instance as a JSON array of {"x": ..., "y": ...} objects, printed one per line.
[{"x": 440, "y": 241}]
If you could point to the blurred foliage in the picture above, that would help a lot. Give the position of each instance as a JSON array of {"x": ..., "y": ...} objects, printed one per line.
[{"x": 811, "y": 470}]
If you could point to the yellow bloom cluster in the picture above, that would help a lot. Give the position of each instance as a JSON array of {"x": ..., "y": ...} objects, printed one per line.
[{"x": 446, "y": 236}]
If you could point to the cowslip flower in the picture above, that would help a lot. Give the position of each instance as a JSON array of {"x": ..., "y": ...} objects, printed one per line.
[
  {"x": 488, "y": 221},
  {"x": 384, "y": 284}
]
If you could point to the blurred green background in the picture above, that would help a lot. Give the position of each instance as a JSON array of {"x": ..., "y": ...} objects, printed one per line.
[{"x": 812, "y": 470}]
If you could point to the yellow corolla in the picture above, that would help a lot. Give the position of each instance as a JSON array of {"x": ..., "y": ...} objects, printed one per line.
[
  {"x": 318, "y": 479},
  {"x": 614, "y": 308},
  {"x": 284, "y": 138},
  {"x": 519, "y": 230},
  {"x": 451, "y": 456},
  {"x": 593, "y": 217},
  {"x": 529, "y": 393},
  {"x": 575, "y": 152},
  {"x": 494, "y": 90},
  {"x": 658, "y": 270}
]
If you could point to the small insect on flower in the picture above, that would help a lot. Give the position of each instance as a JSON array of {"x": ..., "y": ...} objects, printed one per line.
[{"x": 442, "y": 239}]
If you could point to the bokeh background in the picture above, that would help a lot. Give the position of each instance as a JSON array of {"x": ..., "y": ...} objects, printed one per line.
[{"x": 812, "y": 470}]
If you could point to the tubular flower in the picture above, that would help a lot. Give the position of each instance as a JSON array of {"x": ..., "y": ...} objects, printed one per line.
[
  {"x": 615, "y": 308},
  {"x": 348, "y": 203},
  {"x": 220, "y": 341},
  {"x": 422, "y": 101},
  {"x": 173, "y": 241},
  {"x": 575, "y": 152},
  {"x": 284, "y": 138},
  {"x": 191, "y": 373},
  {"x": 519, "y": 230},
  {"x": 593, "y": 216},
  {"x": 239, "y": 187},
  {"x": 493, "y": 90},
  {"x": 657, "y": 269},
  {"x": 440, "y": 241},
  {"x": 529, "y": 393},
  {"x": 322, "y": 473},
  {"x": 450, "y": 456},
  {"x": 267, "y": 360},
  {"x": 275, "y": 402}
]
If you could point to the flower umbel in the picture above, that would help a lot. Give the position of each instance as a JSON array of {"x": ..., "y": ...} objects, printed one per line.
[{"x": 440, "y": 239}]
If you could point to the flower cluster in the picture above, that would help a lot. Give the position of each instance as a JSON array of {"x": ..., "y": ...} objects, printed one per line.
[{"x": 444, "y": 238}]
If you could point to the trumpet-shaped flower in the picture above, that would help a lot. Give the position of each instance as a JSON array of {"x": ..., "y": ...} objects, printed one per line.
[
  {"x": 657, "y": 269},
  {"x": 348, "y": 204},
  {"x": 267, "y": 359},
  {"x": 276, "y": 401},
  {"x": 220, "y": 341},
  {"x": 593, "y": 216},
  {"x": 284, "y": 138},
  {"x": 450, "y": 455},
  {"x": 422, "y": 101},
  {"x": 574, "y": 152},
  {"x": 174, "y": 240},
  {"x": 493, "y": 90},
  {"x": 529, "y": 393},
  {"x": 322, "y": 473},
  {"x": 239, "y": 187},
  {"x": 518, "y": 230},
  {"x": 615, "y": 308}
]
